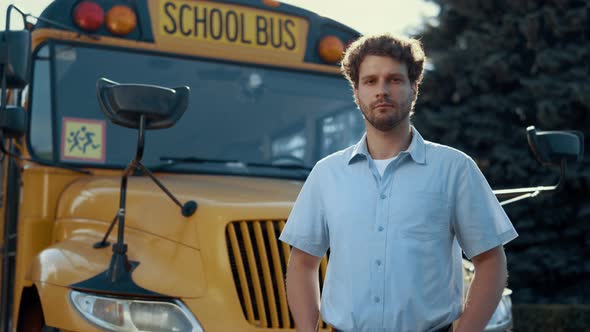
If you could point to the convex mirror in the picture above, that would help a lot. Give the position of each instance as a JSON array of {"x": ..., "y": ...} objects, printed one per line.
[
  {"x": 551, "y": 147},
  {"x": 15, "y": 57},
  {"x": 123, "y": 104}
]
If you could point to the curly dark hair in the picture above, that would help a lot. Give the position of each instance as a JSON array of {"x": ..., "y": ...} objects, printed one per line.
[{"x": 405, "y": 50}]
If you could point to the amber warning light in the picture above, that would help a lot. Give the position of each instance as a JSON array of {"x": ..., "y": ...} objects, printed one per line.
[
  {"x": 121, "y": 20},
  {"x": 89, "y": 16},
  {"x": 331, "y": 49}
]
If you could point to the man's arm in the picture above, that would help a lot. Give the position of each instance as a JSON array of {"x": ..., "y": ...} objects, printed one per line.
[
  {"x": 485, "y": 290},
  {"x": 303, "y": 290}
]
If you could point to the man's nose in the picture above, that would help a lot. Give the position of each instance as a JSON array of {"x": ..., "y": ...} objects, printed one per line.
[{"x": 382, "y": 89}]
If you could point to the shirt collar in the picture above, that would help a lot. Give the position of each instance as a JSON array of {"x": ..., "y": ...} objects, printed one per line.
[{"x": 416, "y": 150}]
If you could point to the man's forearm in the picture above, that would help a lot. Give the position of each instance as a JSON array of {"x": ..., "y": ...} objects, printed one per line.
[
  {"x": 303, "y": 293},
  {"x": 485, "y": 291}
]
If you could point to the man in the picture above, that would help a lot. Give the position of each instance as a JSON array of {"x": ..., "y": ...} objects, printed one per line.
[{"x": 395, "y": 212}]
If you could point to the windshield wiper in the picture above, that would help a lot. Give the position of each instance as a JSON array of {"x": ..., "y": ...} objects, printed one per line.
[
  {"x": 171, "y": 161},
  {"x": 281, "y": 166}
]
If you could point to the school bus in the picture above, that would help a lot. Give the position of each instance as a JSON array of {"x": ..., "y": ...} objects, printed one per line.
[{"x": 195, "y": 247}]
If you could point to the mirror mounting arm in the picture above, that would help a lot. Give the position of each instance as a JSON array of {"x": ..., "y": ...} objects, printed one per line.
[
  {"x": 187, "y": 209},
  {"x": 532, "y": 191},
  {"x": 8, "y": 12},
  {"x": 140, "y": 140},
  {"x": 3, "y": 92},
  {"x": 136, "y": 164}
]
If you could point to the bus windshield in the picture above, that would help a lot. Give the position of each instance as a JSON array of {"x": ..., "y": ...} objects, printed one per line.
[{"x": 237, "y": 112}]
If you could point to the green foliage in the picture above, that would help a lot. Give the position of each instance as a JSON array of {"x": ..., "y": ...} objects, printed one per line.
[
  {"x": 495, "y": 68},
  {"x": 551, "y": 318}
]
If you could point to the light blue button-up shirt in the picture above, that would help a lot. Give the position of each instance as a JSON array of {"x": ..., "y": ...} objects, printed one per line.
[{"x": 395, "y": 240}]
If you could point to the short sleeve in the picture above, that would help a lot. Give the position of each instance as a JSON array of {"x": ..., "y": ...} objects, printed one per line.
[
  {"x": 480, "y": 222},
  {"x": 306, "y": 228}
]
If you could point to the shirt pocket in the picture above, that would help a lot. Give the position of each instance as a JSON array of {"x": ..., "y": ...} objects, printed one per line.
[{"x": 424, "y": 216}]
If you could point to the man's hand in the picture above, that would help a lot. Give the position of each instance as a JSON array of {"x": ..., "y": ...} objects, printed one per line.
[
  {"x": 303, "y": 290},
  {"x": 485, "y": 290}
]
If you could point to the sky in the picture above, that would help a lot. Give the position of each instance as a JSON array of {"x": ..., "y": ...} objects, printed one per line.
[{"x": 375, "y": 16}]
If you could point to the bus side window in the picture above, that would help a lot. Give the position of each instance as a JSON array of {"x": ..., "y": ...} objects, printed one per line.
[{"x": 40, "y": 134}]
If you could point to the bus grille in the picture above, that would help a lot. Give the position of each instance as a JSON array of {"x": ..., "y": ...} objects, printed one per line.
[{"x": 258, "y": 261}]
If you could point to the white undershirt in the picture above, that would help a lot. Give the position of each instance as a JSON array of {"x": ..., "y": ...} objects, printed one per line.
[{"x": 382, "y": 164}]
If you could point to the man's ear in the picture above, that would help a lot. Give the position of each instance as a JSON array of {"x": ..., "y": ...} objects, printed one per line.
[{"x": 355, "y": 92}]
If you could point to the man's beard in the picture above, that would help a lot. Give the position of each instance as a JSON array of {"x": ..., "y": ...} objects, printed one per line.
[{"x": 389, "y": 121}]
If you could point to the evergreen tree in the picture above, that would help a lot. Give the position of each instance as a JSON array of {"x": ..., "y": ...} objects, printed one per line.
[{"x": 496, "y": 67}]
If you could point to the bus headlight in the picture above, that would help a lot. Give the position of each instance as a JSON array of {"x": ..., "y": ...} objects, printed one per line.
[
  {"x": 119, "y": 314},
  {"x": 502, "y": 317}
]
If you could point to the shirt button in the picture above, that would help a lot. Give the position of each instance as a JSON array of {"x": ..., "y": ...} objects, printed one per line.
[
  {"x": 380, "y": 228},
  {"x": 382, "y": 196},
  {"x": 378, "y": 262},
  {"x": 377, "y": 299}
]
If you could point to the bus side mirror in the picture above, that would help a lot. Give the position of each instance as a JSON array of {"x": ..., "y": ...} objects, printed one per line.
[
  {"x": 15, "y": 57},
  {"x": 13, "y": 122},
  {"x": 551, "y": 147}
]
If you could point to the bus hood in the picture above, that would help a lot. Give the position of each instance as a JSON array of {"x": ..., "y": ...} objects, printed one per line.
[{"x": 220, "y": 199}]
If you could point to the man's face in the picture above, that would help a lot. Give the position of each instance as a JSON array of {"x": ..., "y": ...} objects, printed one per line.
[{"x": 384, "y": 93}]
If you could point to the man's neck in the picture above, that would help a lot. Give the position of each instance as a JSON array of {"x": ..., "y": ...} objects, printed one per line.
[{"x": 388, "y": 144}]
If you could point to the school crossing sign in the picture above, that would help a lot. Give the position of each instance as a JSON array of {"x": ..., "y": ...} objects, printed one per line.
[{"x": 83, "y": 140}]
